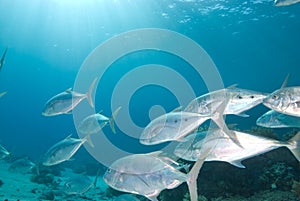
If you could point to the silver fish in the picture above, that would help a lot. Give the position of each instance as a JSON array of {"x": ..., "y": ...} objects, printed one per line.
[
  {"x": 144, "y": 174},
  {"x": 22, "y": 165},
  {"x": 227, "y": 151},
  {"x": 79, "y": 184},
  {"x": 285, "y": 100},
  {"x": 239, "y": 101},
  {"x": 273, "y": 119},
  {"x": 65, "y": 102},
  {"x": 230, "y": 100},
  {"x": 3, "y": 152},
  {"x": 285, "y": 2},
  {"x": 62, "y": 151},
  {"x": 172, "y": 126},
  {"x": 95, "y": 122},
  {"x": 3, "y": 58},
  {"x": 2, "y": 94}
]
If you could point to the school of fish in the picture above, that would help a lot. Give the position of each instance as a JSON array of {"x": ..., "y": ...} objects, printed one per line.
[{"x": 150, "y": 173}]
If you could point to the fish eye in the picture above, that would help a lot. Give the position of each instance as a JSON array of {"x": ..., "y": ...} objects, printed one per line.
[
  {"x": 240, "y": 97},
  {"x": 275, "y": 97},
  {"x": 176, "y": 121},
  {"x": 251, "y": 96}
]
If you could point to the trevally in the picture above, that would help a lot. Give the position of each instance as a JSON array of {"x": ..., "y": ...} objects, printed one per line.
[
  {"x": 285, "y": 2},
  {"x": 2, "y": 59},
  {"x": 239, "y": 101},
  {"x": 95, "y": 122},
  {"x": 147, "y": 175},
  {"x": 273, "y": 119},
  {"x": 285, "y": 100},
  {"x": 3, "y": 152},
  {"x": 230, "y": 100},
  {"x": 173, "y": 126},
  {"x": 22, "y": 165},
  {"x": 78, "y": 184},
  {"x": 63, "y": 150},
  {"x": 65, "y": 102},
  {"x": 227, "y": 151}
]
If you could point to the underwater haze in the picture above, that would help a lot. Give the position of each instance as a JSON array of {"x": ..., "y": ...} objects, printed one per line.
[{"x": 252, "y": 43}]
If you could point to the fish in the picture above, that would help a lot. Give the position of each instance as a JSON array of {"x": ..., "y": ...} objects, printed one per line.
[
  {"x": 285, "y": 2},
  {"x": 146, "y": 175},
  {"x": 231, "y": 100},
  {"x": 126, "y": 197},
  {"x": 172, "y": 126},
  {"x": 3, "y": 152},
  {"x": 95, "y": 122},
  {"x": 79, "y": 184},
  {"x": 65, "y": 102},
  {"x": 2, "y": 59},
  {"x": 239, "y": 101},
  {"x": 63, "y": 150},
  {"x": 285, "y": 100},
  {"x": 227, "y": 151},
  {"x": 273, "y": 119},
  {"x": 22, "y": 165},
  {"x": 2, "y": 94}
]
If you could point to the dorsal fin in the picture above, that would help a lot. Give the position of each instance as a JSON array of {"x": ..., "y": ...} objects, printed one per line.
[
  {"x": 285, "y": 81},
  {"x": 69, "y": 136},
  {"x": 69, "y": 90},
  {"x": 177, "y": 109},
  {"x": 232, "y": 86},
  {"x": 155, "y": 153}
]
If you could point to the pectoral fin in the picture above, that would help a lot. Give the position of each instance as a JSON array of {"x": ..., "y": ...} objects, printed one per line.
[
  {"x": 242, "y": 114},
  {"x": 237, "y": 164}
]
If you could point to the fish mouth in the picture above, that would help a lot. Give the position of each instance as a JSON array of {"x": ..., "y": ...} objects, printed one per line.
[
  {"x": 47, "y": 114},
  {"x": 267, "y": 102}
]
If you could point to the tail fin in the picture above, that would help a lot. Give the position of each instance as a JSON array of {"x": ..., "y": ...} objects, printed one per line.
[
  {"x": 96, "y": 178},
  {"x": 90, "y": 93},
  {"x": 294, "y": 145},
  {"x": 219, "y": 120},
  {"x": 89, "y": 140},
  {"x": 37, "y": 168},
  {"x": 193, "y": 175},
  {"x": 112, "y": 119}
]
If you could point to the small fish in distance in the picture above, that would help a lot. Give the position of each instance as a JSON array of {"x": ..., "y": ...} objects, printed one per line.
[
  {"x": 2, "y": 59},
  {"x": 65, "y": 102}
]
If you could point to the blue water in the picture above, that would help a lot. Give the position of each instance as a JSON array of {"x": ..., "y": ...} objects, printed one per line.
[{"x": 252, "y": 43}]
